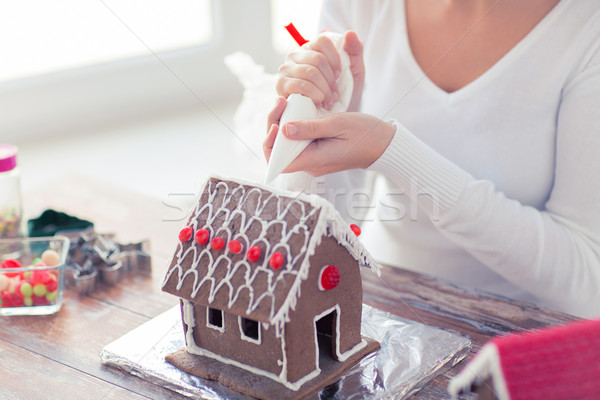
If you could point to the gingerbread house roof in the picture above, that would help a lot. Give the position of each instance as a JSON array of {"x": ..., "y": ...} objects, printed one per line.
[
  {"x": 553, "y": 363},
  {"x": 292, "y": 224}
]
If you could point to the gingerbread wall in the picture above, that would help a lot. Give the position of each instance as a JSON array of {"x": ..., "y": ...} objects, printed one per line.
[
  {"x": 300, "y": 331},
  {"x": 229, "y": 343}
]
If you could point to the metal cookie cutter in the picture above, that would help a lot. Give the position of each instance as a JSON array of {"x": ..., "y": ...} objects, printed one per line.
[
  {"x": 136, "y": 257},
  {"x": 83, "y": 279},
  {"x": 98, "y": 257}
]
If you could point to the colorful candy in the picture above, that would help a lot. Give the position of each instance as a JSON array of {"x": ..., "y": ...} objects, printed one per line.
[
  {"x": 235, "y": 246},
  {"x": 217, "y": 243},
  {"x": 253, "y": 254},
  {"x": 11, "y": 264},
  {"x": 50, "y": 258},
  {"x": 276, "y": 260},
  {"x": 37, "y": 286},
  {"x": 202, "y": 236},
  {"x": 10, "y": 223},
  {"x": 330, "y": 278},
  {"x": 185, "y": 234}
]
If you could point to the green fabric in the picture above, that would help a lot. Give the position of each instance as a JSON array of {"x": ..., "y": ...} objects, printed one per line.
[{"x": 51, "y": 221}]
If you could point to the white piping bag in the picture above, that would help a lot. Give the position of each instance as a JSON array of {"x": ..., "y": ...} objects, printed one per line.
[{"x": 300, "y": 107}]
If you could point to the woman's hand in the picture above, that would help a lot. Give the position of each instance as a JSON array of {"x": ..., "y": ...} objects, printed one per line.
[
  {"x": 340, "y": 142},
  {"x": 312, "y": 71}
]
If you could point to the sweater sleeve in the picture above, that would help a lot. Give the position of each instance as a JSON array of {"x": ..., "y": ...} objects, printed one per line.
[{"x": 553, "y": 253}]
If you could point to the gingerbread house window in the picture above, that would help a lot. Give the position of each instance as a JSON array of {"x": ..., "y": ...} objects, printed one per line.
[
  {"x": 214, "y": 319},
  {"x": 250, "y": 330}
]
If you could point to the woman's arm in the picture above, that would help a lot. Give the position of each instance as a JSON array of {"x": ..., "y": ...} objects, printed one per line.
[{"x": 553, "y": 253}]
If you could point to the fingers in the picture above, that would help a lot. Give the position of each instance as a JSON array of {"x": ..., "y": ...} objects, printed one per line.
[
  {"x": 310, "y": 161},
  {"x": 332, "y": 70},
  {"x": 290, "y": 85},
  {"x": 312, "y": 71},
  {"x": 275, "y": 115},
  {"x": 312, "y": 129},
  {"x": 352, "y": 44},
  {"x": 270, "y": 141},
  {"x": 354, "y": 47}
]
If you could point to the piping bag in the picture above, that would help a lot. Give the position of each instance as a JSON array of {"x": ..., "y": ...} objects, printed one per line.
[{"x": 300, "y": 107}]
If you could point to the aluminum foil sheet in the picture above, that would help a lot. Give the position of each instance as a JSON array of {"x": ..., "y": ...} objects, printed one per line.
[{"x": 411, "y": 355}]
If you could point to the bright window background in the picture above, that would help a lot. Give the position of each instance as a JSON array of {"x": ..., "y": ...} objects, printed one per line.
[
  {"x": 41, "y": 36},
  {"x": 305, "y": 16}
]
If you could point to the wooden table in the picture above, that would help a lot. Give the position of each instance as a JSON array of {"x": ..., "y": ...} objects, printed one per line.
[{"x": 56, "y": 356}]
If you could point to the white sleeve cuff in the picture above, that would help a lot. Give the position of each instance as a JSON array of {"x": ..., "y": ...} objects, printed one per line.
[{"x": 430, "y": 179}]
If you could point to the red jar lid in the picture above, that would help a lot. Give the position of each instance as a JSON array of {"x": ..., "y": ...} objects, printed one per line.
[{"x": 8, "y": 157}]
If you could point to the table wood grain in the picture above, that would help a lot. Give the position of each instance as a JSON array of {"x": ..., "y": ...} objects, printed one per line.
[{"x": 56, "y": 356}]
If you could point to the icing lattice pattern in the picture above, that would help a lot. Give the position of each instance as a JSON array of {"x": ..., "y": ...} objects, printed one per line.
[{"x": 254, "y": 217}]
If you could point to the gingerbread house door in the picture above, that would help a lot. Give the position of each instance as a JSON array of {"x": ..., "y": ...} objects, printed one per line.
[{"x": 325, "y": 331}]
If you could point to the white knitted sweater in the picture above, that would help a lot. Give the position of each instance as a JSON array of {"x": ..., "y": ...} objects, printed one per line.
[{"x": 496, "y": 185}]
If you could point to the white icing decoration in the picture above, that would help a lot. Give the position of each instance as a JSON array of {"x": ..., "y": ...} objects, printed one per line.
[
  {"x": 190, "y": 321},
  {"x": 485, "y": 364},
  {"x": 248, "y": 338},
  {"x": 329, "y": 223},
  {"x": 340, "y": 356}
]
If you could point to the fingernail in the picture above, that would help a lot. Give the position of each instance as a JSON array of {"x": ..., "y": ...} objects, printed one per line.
[
  {"x": 329, "y": 105},
  {"x": 336, "y": 96},
  {"x": 337, "y": 74},
  {"x": 290, "y": 130}
]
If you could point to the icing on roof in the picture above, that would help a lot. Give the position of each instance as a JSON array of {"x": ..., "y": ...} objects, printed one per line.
[{"x": 287, "y": 222}]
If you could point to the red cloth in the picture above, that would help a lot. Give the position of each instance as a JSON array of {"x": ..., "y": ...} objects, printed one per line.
[{"x": 555, "y": 363}]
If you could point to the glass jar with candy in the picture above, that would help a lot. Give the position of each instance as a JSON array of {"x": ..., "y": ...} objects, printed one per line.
[{"x": 11, "y": 210}]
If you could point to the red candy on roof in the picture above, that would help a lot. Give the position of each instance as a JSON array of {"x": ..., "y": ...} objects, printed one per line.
[
  {"x": 185, "y": 234},
  {"x": 217, "y": 243},
  {"x": 235, "y": 246},
  {"x": 356, "y": 229},
  {"x": 253, "y": 253},
  {"x": 202, "y": 236},
  {"x": 276, "y": 260}
]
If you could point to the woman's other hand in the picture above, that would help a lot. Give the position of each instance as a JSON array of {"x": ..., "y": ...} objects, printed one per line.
[
  {"x": 340, "y": 142},
  {"x": 312, "y": 71}
]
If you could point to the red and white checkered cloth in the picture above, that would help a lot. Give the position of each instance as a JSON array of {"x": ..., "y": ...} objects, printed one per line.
[{"x": 561, "y": 362}]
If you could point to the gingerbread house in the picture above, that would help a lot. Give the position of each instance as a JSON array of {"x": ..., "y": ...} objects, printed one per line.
[
  {"x": 556, "y": 363},
  {"x": 269, "y": 283}
]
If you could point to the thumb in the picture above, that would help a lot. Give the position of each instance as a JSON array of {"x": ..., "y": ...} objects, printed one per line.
[
  {"x": 352, "y": 44},
  {"x": 354, "y": 47},
  {"x": 309, "y": 129}
]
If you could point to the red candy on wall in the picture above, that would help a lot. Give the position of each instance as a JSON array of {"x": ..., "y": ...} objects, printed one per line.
[
  {"x": 355, "y": 229},
  {"x": 330, "y": 277}
]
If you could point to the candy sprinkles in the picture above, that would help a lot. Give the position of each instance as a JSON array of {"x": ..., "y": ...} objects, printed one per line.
[{"x": 10, "y": 222}]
